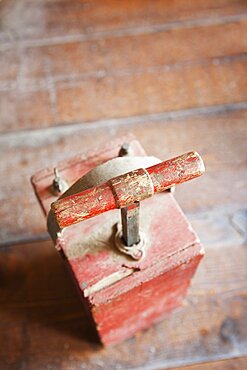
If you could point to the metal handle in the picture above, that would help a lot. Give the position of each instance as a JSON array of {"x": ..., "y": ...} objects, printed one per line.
[{"x": 125, "y": 190}]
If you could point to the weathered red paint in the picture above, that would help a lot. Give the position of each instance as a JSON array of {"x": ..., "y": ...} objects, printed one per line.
[
  {"x": 126, "y": 189},
  {"x": 156, "y": 285},
  {"x": 176, "y": 171},
  {"x": 144, "y": 304},
  {"x": 149, "y": 288}
]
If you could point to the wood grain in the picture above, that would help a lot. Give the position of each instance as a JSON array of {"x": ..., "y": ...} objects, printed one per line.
[
  {"x": 155, "y": 91},
  {"x": 159, "y": 89},
  {"x": 123, "y": 54},
  {"x": 40, "y": 310}
]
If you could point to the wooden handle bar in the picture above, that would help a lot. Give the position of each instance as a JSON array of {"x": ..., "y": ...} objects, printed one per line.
[{"x": 125, "y": 190}]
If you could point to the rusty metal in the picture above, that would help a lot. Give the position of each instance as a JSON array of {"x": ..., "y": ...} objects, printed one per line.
[{"x": 130, "y": 224}]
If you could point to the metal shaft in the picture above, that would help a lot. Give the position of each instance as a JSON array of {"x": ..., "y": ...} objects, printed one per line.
[{"x": 130, "y": 224}]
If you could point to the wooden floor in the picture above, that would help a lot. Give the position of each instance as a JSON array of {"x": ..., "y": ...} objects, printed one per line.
[{"x": 74, "y": 74}]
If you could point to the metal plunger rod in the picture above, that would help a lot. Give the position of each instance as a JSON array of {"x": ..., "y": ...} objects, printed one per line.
[
  {"x": 130, "y": 216},
  {"x": 125, "y": 190},
  {"x": 130, "y": 224}
]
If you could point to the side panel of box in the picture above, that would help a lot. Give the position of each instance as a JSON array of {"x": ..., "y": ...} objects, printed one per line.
[{"x": 147, "y": 303}]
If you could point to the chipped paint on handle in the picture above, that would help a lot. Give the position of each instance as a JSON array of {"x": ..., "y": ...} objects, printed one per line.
[
  {"x": 176, "y": 171},
  {"x": 126, "y": 189}
]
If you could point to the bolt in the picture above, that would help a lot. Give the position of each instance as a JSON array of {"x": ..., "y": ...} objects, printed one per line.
[
  {"x": 124, "y": 150},
  {"x": 58, "y": 184}
]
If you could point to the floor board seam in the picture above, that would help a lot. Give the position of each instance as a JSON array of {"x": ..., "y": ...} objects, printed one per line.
[
  {"x": 117, "y": 33},
  {"x": 22, "y": 137}
]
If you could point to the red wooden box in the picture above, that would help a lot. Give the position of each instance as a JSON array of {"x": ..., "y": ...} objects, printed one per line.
[{"x": 121, "y": 295}]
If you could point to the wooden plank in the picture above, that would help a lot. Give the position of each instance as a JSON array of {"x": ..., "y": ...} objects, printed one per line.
[
  {"x": 38, "y": 303},
  {"x": 64, "y": 82},
  {"x": 128, "y": 89},
  {"x": 28, "y": 152},
  {"x": 111, "y": 55},
  {"x": 127, "y": 95},
  {"x": 156, "y": 91},
  {"x": 239, "y": 363},
  {"x": 45, "y": 20}
]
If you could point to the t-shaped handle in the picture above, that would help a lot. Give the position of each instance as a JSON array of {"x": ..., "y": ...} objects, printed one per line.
[{"x": 127, "y": 189}]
